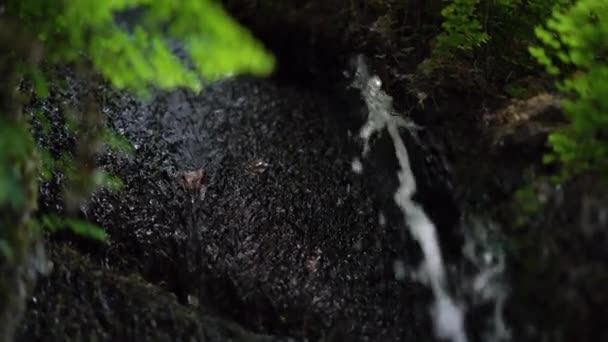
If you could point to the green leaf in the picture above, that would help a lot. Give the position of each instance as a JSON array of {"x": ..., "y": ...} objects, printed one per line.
[
  {"x": 86, "y": 229},
  {"x": 48, "y": 164},
  {"x": 6, "y": 250},
  {"x": 55, "y": 223},
  {"x": 40, "y": 86},
  {"x": 582, "y": 30},
  {"x": 116, "y": 142},
  {"x": 102, "y": 178}
]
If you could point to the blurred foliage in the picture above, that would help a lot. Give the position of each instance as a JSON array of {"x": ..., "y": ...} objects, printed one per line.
[
  {"x": 140, "y": 55},
  {"x": 116, "y": 142},
  {"x": 575, "y": 48},
  {"x": 56, "y": 223},
  {"x": 15, "y": 145}
]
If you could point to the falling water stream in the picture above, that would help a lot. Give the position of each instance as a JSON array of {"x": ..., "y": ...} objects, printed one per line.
[{"x": 448, "y": 317}]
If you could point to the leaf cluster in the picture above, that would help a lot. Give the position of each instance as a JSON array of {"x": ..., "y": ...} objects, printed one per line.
[
  {"x": 133, "y": 42},
  {"x": 574, "y": 47},
  {"x": 505, "y": 27},
  {"x": 15, "y": 145},
  {"x": 462, "y": 30}
]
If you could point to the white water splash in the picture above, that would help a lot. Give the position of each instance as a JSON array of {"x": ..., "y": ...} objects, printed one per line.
[
  {"x": 487, "y": 285},
  {"x": 448, "y": 317},
  {"x": 357, "y": 166}
]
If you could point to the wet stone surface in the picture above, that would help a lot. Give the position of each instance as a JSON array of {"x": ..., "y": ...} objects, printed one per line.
[
  {"x": 79, "y": 302},
  {"x": 241, "y": 201}
]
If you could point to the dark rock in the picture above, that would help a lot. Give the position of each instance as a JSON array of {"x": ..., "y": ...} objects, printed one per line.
[
  {"x": 80, "y": 301},
  {"x": 285, "y": 241}
]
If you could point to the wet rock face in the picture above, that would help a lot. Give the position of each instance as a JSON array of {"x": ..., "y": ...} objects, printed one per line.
[
  {"x": 284, "y": 221},
  {"x": 522, "y": 126},
  {"x": 559, "y": 266},
  {"x": 80, "y": 302},
  {"x": 286, "y": 239}
]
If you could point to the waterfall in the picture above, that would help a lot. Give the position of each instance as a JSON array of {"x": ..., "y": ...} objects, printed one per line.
[{"x": 448, "y": 317}]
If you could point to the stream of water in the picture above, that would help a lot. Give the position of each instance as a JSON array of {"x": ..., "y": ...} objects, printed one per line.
[
  {"x": 485, "y": 284},
  {"x": 448, "y": 316}
]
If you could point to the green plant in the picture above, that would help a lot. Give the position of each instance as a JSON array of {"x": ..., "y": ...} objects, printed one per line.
[
  {"x": 575, "y": 48},
  {"x": 503, "y": 27},
  {"x": 141, "y": 56},
  {"x": 462, "y": 30}
]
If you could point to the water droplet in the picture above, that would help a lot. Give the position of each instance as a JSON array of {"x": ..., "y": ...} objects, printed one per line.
[
  {"x": 358, "y": 245},
  {"x": 357, "y": 166},
  {"x": 399, "y": 269},
  {"x": 488, "y": 258},
  {"x": 375, "y": 82},
  {"x": 381, "y": 219},
  {"x": 193, "y": 301}
]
